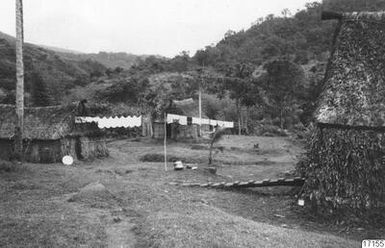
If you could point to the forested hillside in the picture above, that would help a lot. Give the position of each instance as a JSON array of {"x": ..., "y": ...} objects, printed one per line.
[
  {"x": 47, "y": 74},
  {"x": 108, "y": 59},
  {"x": 271, "y": 73}
]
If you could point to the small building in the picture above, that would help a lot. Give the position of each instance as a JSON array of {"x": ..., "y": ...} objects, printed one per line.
[
  {"x": 175, "y": 130},
  {"x": 51, "y": 133}
]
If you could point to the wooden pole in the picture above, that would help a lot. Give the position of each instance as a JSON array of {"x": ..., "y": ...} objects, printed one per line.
[
  {"x": 19, "y": 81},
  {"x": 165, "y": 141},
  {"x": 200, "y": 111},
  {"x": 200, "y": 103}
]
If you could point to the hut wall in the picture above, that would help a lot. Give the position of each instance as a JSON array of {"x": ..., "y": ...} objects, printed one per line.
[
  {"x": 158, "y": 130},
  {"x": 206, "y": 128},
  {"x": 184, "y": 132},
  {"x": 345, "y": 168},
  {"x": 6, "y": 149},
  {"x": 93, "y": 147},
  {"x": 39, "y": 151},
  {"x": 69, "y": 147},
  {"x": 43, "y": 151},
  {"x": 175, "y": 131}
]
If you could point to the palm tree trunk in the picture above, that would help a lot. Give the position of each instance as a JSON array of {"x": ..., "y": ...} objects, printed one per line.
[{"x": 20, "y": 81}]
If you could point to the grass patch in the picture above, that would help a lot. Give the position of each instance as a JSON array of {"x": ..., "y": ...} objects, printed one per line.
[
  {"x": 199, "y": 147},
  {"x": 155, "y": 157},
  {"x": 207, "y": 226},
  {"x": 8, "y": 167}
]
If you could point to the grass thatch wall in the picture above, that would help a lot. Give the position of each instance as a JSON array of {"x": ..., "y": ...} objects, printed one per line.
[
  {"x": 37, "y": 151},
  {"x": 158, "y": 130},
  {"x": 6, "y": 149},
  {"x": 52, "y": 151},
  {"x": 345, "y": 168},
  {"x": 183, "y": 132},
  {"x": 93, "y": 147},
  {"x": 175, "y": 131}
]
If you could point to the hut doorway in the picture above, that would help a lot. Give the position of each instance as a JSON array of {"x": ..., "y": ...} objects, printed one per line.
[{"x": 78, "y": 148}]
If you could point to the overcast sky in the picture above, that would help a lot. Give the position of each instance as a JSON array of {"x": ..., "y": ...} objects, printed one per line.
[{"x": 163, "y": 27}]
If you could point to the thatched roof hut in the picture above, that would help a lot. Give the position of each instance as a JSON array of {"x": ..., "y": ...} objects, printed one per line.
[
  {"x": 344, "y": 165},
  {"x": 50, "y": 133}
]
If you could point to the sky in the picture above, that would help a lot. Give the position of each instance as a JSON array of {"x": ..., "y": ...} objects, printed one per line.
[{"x": 161, "y": 27}]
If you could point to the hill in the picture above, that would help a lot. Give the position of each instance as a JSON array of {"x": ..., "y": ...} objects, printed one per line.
[
  {"x": 51, "y": 73},
  {"x": 109, "y": 60}
]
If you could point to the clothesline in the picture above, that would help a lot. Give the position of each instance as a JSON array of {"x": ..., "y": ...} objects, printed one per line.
[
  {"x": 136, "y": 121},
  {"x": 112, "y": 122},
  {"x": 185, "y": 120}
]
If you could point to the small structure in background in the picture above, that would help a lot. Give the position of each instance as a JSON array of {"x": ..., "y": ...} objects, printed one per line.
[
  {"x": 183, "y": 123},
  {"x": 178, "y": 130},
  {"x": 50, "y": 133}
]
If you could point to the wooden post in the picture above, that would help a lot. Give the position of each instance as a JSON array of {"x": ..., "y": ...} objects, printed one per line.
[
  {"x": 20, "y": 81},
  {"x": 200, "y": 112},
  {"x": 165, "y": 141},
  {"x": 200, "y": 104}
]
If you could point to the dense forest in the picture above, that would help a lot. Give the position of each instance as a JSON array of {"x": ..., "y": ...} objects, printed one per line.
[{"x": 269, "y": 75}]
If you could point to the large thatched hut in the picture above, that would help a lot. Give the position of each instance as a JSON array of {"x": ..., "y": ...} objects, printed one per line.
[
  {"x": 345, "y": 160},
  {"x": 51, "y": 133}
]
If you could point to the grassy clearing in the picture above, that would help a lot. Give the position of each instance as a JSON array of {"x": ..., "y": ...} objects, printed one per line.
[
  {"x": 120, "y": 201},
  {"x": 207, "y": 226}
]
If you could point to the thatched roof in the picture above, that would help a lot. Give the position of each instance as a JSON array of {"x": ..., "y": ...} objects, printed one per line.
[
  {"x": 42, "y": 123},
  {"x": 354, "y": 89}
]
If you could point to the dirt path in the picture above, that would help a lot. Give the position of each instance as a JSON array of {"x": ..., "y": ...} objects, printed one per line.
[{"x": 121, "y": 235}]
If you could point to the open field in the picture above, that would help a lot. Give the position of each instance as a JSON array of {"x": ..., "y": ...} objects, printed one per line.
[{"x": 123, "y": 202}]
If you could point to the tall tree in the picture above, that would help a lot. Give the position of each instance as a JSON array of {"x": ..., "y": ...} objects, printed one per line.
[
  {"x": 237, "y": 83},
  {"x": 284, "y": 85}
]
